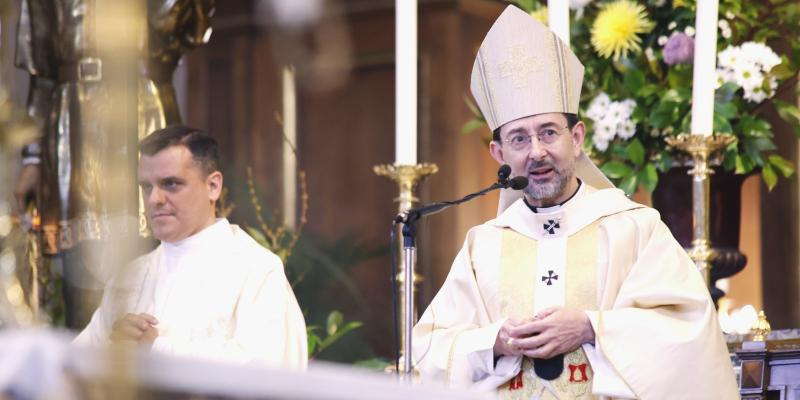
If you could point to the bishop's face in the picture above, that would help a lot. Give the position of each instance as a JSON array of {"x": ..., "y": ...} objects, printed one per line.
[
  {"x": 545, "y": 150},
  {"x": 179, "y": 197}
]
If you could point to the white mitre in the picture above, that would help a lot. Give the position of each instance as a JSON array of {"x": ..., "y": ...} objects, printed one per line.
[{"x": 523, "y": 69}]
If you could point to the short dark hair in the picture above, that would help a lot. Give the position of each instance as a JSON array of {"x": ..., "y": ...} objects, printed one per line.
[
  {"x": 572, "y": 120},
  {"x": 204, "y": 148}
]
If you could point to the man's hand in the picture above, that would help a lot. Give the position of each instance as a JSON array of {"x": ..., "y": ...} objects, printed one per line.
[
  {"x": 504, "y": 343},
  {"x": 138, "y": 328},
  {"x": 553, "y": 331},
  {"x": 27, "y": 185},
  {"x": 148, "y": 337}
]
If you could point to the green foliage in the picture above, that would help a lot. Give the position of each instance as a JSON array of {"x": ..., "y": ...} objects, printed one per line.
[
  {"x": 662, "y": 92},
  {"x": 663, "y": 95},
  {"x": 334, "y": 330},
  {"x": 317, "y": 268}
]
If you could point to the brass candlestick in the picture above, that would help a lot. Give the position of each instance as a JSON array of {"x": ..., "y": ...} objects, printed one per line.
[
  {"x": 701, "y": 148},
  {"x": 407, "y": 177}
]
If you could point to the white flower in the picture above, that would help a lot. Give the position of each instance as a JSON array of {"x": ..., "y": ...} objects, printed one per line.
[
  {"x": 629, "y": 105},
  {"x": 727, "y": 58},
  {"x": 655, "y": 132},
  {"x": 626, "y": 129},
  {"x": 648, "y": 52},
  {"x": 749, "y": 77},
  {"x": 729, "y": 15},
  {"x": 616, "y": 113},
  {"x": 756, "y": 95},
  {"x": 611, "y": 119},
  {"x": 672, "y": 25},
  {"x": 601, "y": 101},
  {"x": 689, "y": 31},
  {"x": 723, "y": 24},
  {"x": 726, "y": 33},
  {"x": 747, "y": 66},
  {"x": 662, "y": 40},
  {"x": 599, "y": 143}
]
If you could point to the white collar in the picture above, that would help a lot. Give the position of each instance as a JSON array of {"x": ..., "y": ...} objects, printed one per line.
[
  {"x": 584, "y": 208},
  {"x": 208, "y": 238}
]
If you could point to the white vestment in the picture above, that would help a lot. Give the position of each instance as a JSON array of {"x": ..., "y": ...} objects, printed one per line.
[
  {"x": 655, "y": 325},
  {"x": 217, "y": 295}
]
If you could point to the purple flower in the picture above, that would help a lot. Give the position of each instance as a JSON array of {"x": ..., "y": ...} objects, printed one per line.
[{"x": 679, "y": 49}]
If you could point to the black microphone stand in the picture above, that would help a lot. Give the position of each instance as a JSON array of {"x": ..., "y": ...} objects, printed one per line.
[{"x": 409, "y": 219}]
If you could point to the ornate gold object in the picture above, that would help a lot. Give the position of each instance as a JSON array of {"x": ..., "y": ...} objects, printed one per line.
[
  {"x": 407, "y": 178},
  {"x": 701, "y": 148},
  {"x": 761, "y": 328}
]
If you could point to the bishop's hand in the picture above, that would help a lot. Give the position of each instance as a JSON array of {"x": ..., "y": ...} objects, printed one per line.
[
  {"x": 504, "y": 343},
  {"x": 553, "y": 331}
]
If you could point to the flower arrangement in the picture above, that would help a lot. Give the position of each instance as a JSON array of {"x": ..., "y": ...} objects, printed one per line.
[{"x": 638, "y": 82}]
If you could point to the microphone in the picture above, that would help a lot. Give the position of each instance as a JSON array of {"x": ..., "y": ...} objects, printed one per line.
[
  {"x": 503, "y": 173},
  {"x": 517, "y": 183},
  {"x": 414, "y": 214}
]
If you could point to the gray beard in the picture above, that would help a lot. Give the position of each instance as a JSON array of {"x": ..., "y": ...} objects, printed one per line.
[{"x": 550, "y": 190}]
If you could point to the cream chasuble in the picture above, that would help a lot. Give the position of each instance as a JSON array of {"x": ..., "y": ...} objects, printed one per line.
[
  {"x": 217, "y": 295},
  {"x": 655, "y": 326}
]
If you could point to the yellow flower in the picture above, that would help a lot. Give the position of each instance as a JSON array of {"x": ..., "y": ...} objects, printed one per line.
[
  {"x": 615, "y": 30},
  {"x": 540, "y": 15}
]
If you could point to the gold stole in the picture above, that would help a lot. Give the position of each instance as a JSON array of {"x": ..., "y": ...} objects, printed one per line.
[{"x": 517, "y": 286}]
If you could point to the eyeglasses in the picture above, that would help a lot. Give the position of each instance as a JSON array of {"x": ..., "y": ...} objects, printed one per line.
[{"x": 522, "y": 142}]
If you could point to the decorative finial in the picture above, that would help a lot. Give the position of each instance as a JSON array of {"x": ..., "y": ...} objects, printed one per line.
[{"x": 761, "y": 328}]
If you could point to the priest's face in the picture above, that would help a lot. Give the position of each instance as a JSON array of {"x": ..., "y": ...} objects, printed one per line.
[
  {"x": 544, "y": 149},
  {"x": 179, "y": 196}
]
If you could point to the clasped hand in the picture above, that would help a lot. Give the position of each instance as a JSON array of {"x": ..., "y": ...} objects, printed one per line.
[
  {"x": 139, "y": 328},
  {"x": 552, "y": 331}
]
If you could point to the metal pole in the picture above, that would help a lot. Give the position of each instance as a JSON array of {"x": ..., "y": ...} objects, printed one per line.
[{"x": 408, "y": 315}]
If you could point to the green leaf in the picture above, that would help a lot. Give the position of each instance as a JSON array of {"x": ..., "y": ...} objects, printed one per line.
[
  {"x": 636, "y": 152},
  {"x": 677, "y": 95},
  {"x": 789, "y": 112},
  {"x": 769, "y": 176},
  {"x": 331, "y": 339},
  {"x": 335, "y": 319},
  {"x": 726, "y": 109},
  {"x": 784, "y": 166},
  {"x": 726, "y": 92},
  {"x": 664, "y": 114},
  {"x": 679, "y": 76},
  {"x": 722, "y": 124},
  {"x": 313, "y": 340},
  {"x": 648, "y": 90},
  {"x": 648, "y": 177},
  {"x": 628, "y": 184},
  {"x": 783, "y": 70},
  {"x": 633, "y": 81},
  {"x": 615, "y": 169},
  {"x": 740, "y": 168},
  {"x": 472, "y": 125}
]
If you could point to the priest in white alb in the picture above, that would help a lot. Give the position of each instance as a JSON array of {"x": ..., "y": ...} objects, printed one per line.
[
  {"x": 209, "y": 290},
  {"x": 573, "y": 291}
]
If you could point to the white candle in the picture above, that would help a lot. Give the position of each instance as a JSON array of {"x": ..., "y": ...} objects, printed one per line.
[
  {"x": 289, "y": 140},
  {"x": 405, "y": 82},
  {"x": 705, "y": 65},
  {"x": 558, "y": 18}
]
